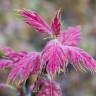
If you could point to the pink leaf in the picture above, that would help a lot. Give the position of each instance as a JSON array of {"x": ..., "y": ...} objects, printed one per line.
[
  {"x": 71, "y": 36},
  {"x": 80, "y": 59},
  {"x": 16, "y": 56},
  {"x": 56, "y": 24},
  {"x": 54, "y": 55},
  {"x": 11, "y": 59},
  {"x": 6, "y": 50},
  {"x": 57, "y": 56},
  {"x": 50, "y": 88},
  {"x": 29, "y": 64},
  {"x": 5, "y": 63},
  {"x": 32, "y": 18}
]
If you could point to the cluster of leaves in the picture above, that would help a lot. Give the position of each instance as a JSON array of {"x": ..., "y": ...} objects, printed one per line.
[{"x": 54, "y": 58}]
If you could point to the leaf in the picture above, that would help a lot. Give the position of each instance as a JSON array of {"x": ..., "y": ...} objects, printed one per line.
[
  {"x": 10, "y": 60},
  {"x": 2, "y": 53},
  {"x": 29, "y": 64},
  {"x": 6, "y": 50},
  {"x": 71, "y": 36},
  {"x": 54, "y": 56},
  {"x": 16, "y": 13},
  {"x": 80, "y": 59},
  {"x": 32, "y": 18},
  {"x": 50, "y": 88},
  {"x": 56, "y": 24},
  {"x": 57, "y": 56}
]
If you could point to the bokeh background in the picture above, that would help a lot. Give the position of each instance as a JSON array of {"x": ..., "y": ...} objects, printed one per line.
[{"x": 18, "y": 35}]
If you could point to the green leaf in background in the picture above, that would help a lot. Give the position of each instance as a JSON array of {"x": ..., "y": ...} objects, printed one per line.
[
  {"x": 2, "y": 53},
  {"x": 16, "y": 13},
  {"x": 2, "y": 17},
  {"x": 63, "y": 24}
]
